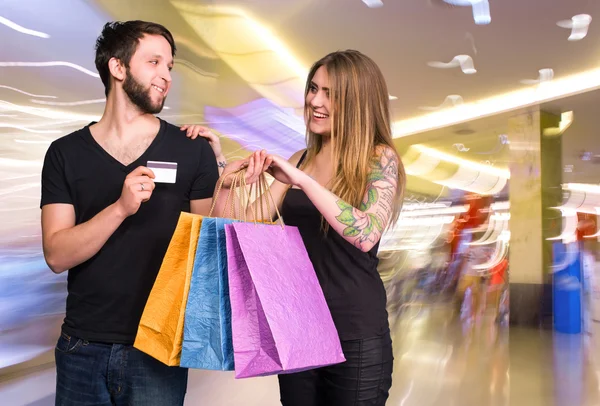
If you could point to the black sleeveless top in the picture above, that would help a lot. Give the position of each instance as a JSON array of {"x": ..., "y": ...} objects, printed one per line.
[{"x": 349, "y": 277}]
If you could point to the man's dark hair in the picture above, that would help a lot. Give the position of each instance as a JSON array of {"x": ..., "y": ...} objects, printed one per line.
[{"x": 120, "y": 40}]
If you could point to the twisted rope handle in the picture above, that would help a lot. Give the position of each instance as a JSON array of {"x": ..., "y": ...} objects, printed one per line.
[
  {"x": 234, "y": 183},
  {"x": 263, "y": 189},
  {"x": 265, "y": 186}
]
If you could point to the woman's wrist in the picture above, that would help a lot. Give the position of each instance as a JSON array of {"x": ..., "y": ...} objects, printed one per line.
[
  {"x": 221, "y": 163},
  {"x": 304, "y": 180},
  {"x": 221, "y": 160}
]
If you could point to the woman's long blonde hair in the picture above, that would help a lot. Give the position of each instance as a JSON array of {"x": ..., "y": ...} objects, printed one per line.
[{"x": 360, "y": 122}]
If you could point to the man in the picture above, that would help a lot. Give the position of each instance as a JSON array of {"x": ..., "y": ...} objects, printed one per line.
[{"x": 106, "y": 220}]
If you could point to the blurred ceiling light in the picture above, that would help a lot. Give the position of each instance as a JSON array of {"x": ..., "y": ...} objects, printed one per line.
[
  {"x": 497, "y": 226},
  {"x": 373, "y": 3},
  {"x": 578, "y": 24},
  {"x": 425, "y": 206},
  {"x": 195, "y": 68},
  {"x": 555, "y": 89},
  {"x": 29, "y": 130},
  {"x": 469, "y": 176},
  {"x": 473, "y": 181},
  {"x": 464, "y": 61},
  {"x": 423, "y": 165},
  {"x": 569, "y": 231},
  {"x": 77, "y": 103},
  {"x": 450, "y": 101},
  {"x": 41, "y": 96},
  {"x": 256, "y": 54},
  {"x": 435, "y": 211},
  {"x": 583, "y": 198},
  {"x": 566, "y": 119},
  {"x": 498, "y": 206},
  {"x": 49, "y": 64},
  {"x": 44, "y": 142},
  {"x": 47, "y": 112},
  {"x": 545, "y": 75},
  {"x": 461, "y": 162},
  {"x": 423, "y": 221},
  {"x": 21, "y": 29},
  {"x": 481, "y": 9},
  {"x": 583, "y": 187},
  {"x": 393, "y": 97}
]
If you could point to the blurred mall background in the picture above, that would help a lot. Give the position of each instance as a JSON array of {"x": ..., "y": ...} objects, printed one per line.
[{"x": 495, "y": 109}]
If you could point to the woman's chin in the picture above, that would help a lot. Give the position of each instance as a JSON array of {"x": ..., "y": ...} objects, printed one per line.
[{"x": 319, "y": 131}]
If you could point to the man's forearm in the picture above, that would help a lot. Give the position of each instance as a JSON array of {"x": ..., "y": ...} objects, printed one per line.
[{"x": 70, "y": 247}]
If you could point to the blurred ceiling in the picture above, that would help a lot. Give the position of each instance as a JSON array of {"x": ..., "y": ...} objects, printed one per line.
[{"x": 402, "y": 37}]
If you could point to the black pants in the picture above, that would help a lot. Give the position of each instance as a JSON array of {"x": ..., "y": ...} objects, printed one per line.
[{"x": 364, "y": 379}]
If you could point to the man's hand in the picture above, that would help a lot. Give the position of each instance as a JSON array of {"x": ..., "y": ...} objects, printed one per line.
[{"x": 137, "y": 189}]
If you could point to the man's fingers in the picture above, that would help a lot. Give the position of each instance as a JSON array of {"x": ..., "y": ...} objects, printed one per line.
[
  {"x": 135, "y": 183},
  {"x": 142, "y": 171},
  {"x": 145, "y": 195}
]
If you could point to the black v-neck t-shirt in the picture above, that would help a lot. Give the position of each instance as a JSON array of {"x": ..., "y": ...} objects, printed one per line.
[{"x": 107, "y": 293}]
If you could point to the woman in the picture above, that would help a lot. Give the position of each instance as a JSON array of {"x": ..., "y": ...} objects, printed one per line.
[{"x": 342, "y": 192}]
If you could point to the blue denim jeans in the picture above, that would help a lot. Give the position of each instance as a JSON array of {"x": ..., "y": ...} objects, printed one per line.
[{"x": 112, "y": 375}]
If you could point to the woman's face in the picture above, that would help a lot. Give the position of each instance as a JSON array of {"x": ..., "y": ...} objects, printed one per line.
[{"x": 318, "y": 105}]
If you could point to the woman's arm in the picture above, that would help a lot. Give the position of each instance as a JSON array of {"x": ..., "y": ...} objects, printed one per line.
[
  {"x": 362, "y": 226},
  {"x": 194, "y": 130},
  {"x": 277, "y": 191}
]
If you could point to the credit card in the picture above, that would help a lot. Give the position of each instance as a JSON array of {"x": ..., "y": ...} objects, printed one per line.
[{"x": 164, "y": 172}]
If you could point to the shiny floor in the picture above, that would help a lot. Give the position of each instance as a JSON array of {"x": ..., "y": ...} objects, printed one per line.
[{"x": 439, "y": 360}]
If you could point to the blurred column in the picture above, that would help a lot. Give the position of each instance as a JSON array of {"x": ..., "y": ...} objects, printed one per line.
[{"x": 535, "y": 186}]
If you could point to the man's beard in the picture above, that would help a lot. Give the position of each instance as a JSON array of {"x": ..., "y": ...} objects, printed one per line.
[{"x": 140, "y": 96}]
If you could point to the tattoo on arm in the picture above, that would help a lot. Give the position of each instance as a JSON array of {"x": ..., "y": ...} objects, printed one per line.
[
  {"x": 222, "y": 164},
  {"x": 365, "y": 225}
]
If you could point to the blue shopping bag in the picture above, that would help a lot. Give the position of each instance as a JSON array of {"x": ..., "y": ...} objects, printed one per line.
[{"x": 207, "y": 338}]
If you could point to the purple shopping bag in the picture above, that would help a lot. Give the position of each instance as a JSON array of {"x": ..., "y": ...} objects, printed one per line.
[{"x": 280, "y": 320}]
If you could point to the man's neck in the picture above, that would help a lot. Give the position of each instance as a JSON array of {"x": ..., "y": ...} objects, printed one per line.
[{"x": 122, "y": 119}]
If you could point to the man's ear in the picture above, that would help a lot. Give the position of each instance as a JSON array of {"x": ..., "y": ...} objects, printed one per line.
[{"x": 117, "y": 69}]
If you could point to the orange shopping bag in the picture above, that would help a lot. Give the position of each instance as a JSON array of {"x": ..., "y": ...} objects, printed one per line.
[{"x": 160, "y": 332}]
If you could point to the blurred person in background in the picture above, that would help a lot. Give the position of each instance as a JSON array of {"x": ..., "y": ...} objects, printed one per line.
[
  {"x": 342, "y": 192},
  {"x": 106, "y": 221},
  {"x": 471, "y": 289}
]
